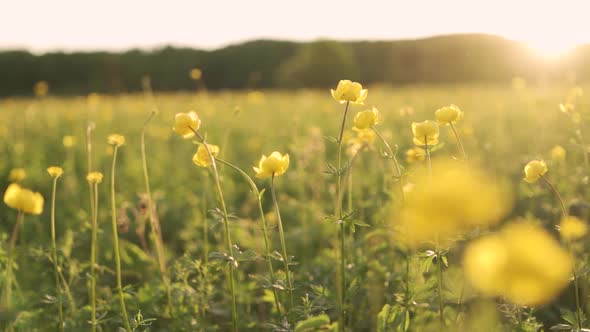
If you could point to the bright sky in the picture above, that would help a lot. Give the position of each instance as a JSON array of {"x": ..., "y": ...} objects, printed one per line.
[{"x": 552, "y": 26}]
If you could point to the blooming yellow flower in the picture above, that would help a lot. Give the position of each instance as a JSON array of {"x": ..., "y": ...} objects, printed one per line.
[
  {"x": 41, "y": 88},
  {"x": 366, "y": 119},
  {"x": 17, "y": 174},
  {"x": 186, "y": 123},
  {"x": 448, "y": 114},
  {"x": 572, "y": 228},
  {"x": 534, "y": 170},
  {"x": 558, "y": 153},
  {"x": 201, "y": 158},
  {"x": 23, "y": 200},
  {"x": 522, "y": 262},
  {"x": 425, "y": 132},
  {"x": 348, "y": 91},
  {"x": 69, "y": 141},
  {"x": 455, "y": 199},
  {"x": 196, "y": 74},
  {"x": 55, "y": 171},
  {"x": 94, "y": 177},
  {"x": 116, "y": 139},
  {"x": 415, "y": 154},
  {"x": 273, "y": 165}
]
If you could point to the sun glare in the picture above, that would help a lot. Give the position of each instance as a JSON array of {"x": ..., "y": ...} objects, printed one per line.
[{"x": 551, "y": 48}]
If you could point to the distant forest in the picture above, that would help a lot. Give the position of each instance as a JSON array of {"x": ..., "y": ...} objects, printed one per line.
[{"x": 282, "y": 64}]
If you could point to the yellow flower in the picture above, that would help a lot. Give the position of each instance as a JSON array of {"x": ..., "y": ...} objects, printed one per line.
[
  {"x": 348, "y": 91},
  {"x": 567, "y": 108},
  {"x": 455, "y": 199},
  {"x": 186, "y": 123},
  {"x": 448, "y": 114},
  {"x": 94, "y": 177},
  {"x": 196, "y": 74},
  {"x": 23, "y": 200},
  {"x": 523, "y": 263},
  {"x": 201, "y": 158},
  {"x": 558, "y": 153},
  {"x": 534, "y": 170},
  {"x": 366, "y": 119},
  {"x": 415, "y": 154},
  {"x": 116, "y": 139},
  {"x": 518, "y": 83},
  {"x": 41, "y": 88},
  {"x": 17, "y": 174},
  {"x": 572, "y": 228},
  {"x": 273, "y": 165},
  {"x": 69, "y": 141},
  {"x": 55, "y": 171},
  {"x": 425, "y": 132}
]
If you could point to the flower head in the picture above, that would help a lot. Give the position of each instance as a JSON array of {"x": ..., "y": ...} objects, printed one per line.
[
  {"x": 23, "y": 200},
  {"x": 196, "y": 74},
  {"x": 572, "y": 228},
  {"x": 348, "y": 91},
  {"x": 534, "y": 170},
  {"x": 201, "y": 158},
  {"x": 522, "y": 262},
  {"x": 17, "y": 174},
  {"x": 55, "y": 171},
  {"x": 425, "y": 132},
  {"x": 366, "y": 119},
  {"x": 116, "y": 140},
  {"x": 273, "y": 165},
  {"x": 185, "y": 124},
  {"x": 41, "y": 88},
  {"x": 448, "y": 114},
  {"x": 94, "y": 177},
  {"x": 558, "y": 153},
  {"x": 415, "y": 154},
  {"x": 69, "y": 141}
]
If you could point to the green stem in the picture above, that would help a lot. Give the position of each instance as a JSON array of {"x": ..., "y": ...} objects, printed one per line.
[
  {"x": 54, "y": 256},
  {"x": 459, "y": 140},
  {"x": 576, "y": 292},
  {"x": 552, "y": 187},
  {"x": 440, "y": 287},
  {"x": 93, "y": 253},
  {"x": 428, "y": 160},
  {"x": 256, "y": 192},
  {"x": 228, "y": 243},
  {"x": 116, "y": 243},
  {"x": 11, "y": 245},
  {"x": 282, "y": 238},
  {"x": 396, "y": 167}
]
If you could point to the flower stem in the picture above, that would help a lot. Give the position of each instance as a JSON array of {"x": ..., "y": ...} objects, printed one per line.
[
  {"x": 396, "y": 168},
  {"x": 563, "y": 208},
  {"x": 93, "y": 251},
  {"x": 282, "y": 239},
  {"x": 576, "y": 292},
  {"x": 256, "y": 192},
  {"x": 459, "y": 140},
  {"x": 428, "y": 159},
  {"x": 6, "y": 301},
  {"x": 54, "y": 256},
  {"x": 440, "y": 283},
  {"x": 116, "y": 244}
]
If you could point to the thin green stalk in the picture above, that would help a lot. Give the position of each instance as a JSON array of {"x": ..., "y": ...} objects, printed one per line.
[
  {"x": 428, "y": 160},
  {"x": 93, "y": 253},
  {"x": 267, "y": 248},
  {"x": 228, "y": 243},
  {"x": 440, "y": 287},
  {"x": 282, "y": 238},
  {"x": 54, "y": 256},
  {"x": 116, "y": 243},
  {"x": 576, "y": 290},
  {"x": 407, "y": 282},
  {"x": 552, "y": 187},
  {"x": 396, "y": 167},
  {"x": 11, "y": 245},
  {"x": 459, "y": 140}
]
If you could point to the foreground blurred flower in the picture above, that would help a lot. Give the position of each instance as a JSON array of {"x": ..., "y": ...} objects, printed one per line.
[
  {"x": 366, "y": 119},
  {"x": 522, "y": 263},
  {"x": 201, "y": 158},
  {"x": 116, "y": 139},
  {"x": 94, "y": 177},
  {"x": 348, "y": 91},
  {"x": 55, "y": 171},
  {"x": 185, "y": 124},
  {"x": 23, "y": 200},
  {"x": 572, "y": 228},
  {"x": 534, "y": 170},
  {"x": 425, "y": 133},
  {"x": 415, "y": 154},
  {"x": 17, "y": 175},
  {"x": 455, "y": 199},
  {"x": 558, "y": 153},
  {"x": 448, "y": 115},
  {"x": 273, "y": 165}
]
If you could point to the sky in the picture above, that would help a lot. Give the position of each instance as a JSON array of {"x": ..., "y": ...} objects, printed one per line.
[{"x": 71, "y": 25}]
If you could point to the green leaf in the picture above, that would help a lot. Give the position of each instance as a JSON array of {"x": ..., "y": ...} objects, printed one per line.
[{"x": 312, "y": 323}]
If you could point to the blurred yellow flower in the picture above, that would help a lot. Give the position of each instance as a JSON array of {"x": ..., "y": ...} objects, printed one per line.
[
  {"x": 534, "y": 170},
  {"x": 567, "y": 108},
  {"x": 69, "y": 141},
  {"x": 273, "y": 165},
  {"x": 94, "y": 177},
  {"x": 572, "y": 228},
  {"x": 201, "y": 158},
  {"x": 17, "y": 175},
  {"x": 196, "y": 74},
  {"x": 41, "y": 88},
  {"x": 425, "y": 132},
  {"x": 522, "y": 262},
  {"x": 366, "y": 119},
  {"x": 518, "y": 83},
  {"x": 448, "y": 114},
  {"x": 186, "y": 123},
  {"x": 23, "y": 200},
  {"x": 116, "y": 139},
  {"x": 455, "y": 199},
  {"x": 55, "y": 171},
  {"x": 558, "y": 153},
  {"x": 348, "y": 91},
  {"x": 415, "y": 154}
]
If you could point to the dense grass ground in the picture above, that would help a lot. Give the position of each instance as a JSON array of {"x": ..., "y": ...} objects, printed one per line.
[{"x": 503, "y": 128}]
